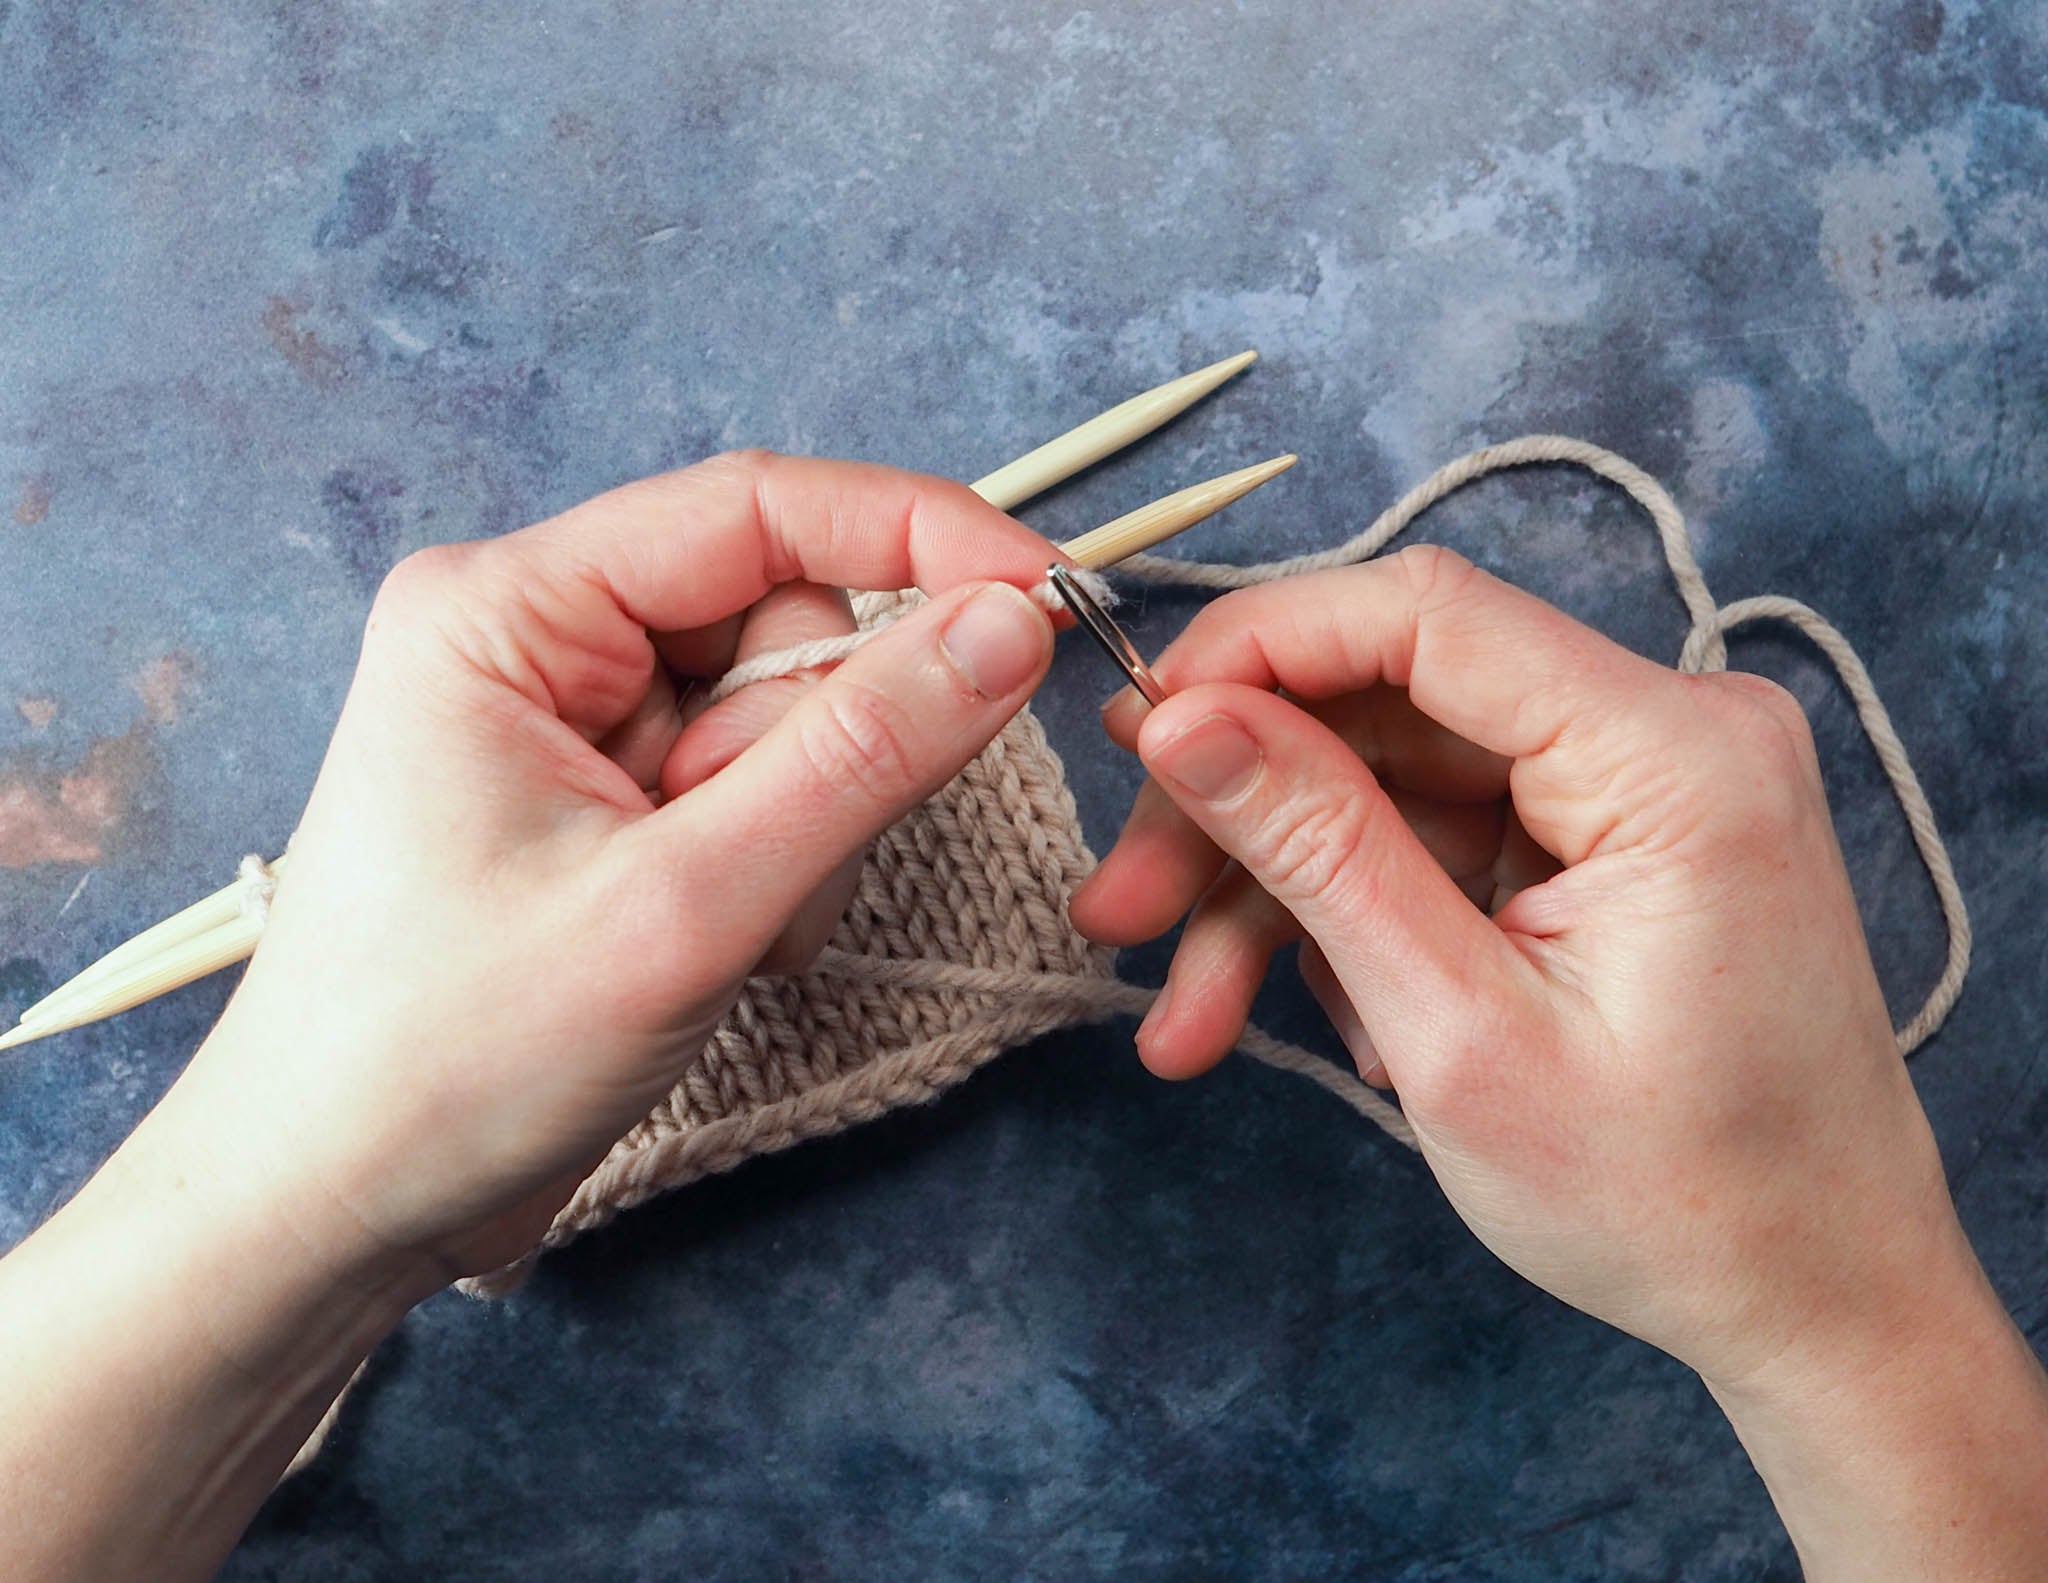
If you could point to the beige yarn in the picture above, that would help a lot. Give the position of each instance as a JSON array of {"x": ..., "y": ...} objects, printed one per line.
[
  {"x": 876, "y": 610},
  {"x": 957, "y": 945}
]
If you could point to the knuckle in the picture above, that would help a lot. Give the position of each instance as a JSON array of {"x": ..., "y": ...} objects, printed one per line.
[
  {"x": 669, "y": 897},
  {"x": 422, "y": 576},
  {"x": 1768, "y": 740},
  {"x": 1781, "y": 711},
  {"x": 1476, "y": 1077},
  {"x": 418, "y": 594},
  {"x": 1774, "y": 724},
  {"x": 748, "y": 460},
  {"x": 749, "y": 475},
  {"x": 1442, "y": 1088},
  {"x": 1762, "y": 695},
  {"x": 1312, "y": 850},
  {"x": 1437, "y": 576},
  {"x": 857, "y": 740},
  {"x": 670, "y": 902}
]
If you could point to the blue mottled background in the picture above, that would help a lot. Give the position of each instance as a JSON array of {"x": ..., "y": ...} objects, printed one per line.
[{"x": 287, "y": 291}]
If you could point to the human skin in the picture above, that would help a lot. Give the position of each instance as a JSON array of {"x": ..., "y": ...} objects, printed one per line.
[
  {"x": 1588, "y": 917},
  {"x": 530, "y": 880}
]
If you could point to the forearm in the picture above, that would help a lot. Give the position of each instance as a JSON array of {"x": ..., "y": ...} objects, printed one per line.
[
  {"x": 167, "y": 1341},
  {"x": 1919, "y": 1455}
]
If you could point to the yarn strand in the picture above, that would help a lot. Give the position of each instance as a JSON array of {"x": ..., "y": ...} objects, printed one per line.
[
  {"x": 1529, "y": 450},
  {"x": 820, "y": 653}
]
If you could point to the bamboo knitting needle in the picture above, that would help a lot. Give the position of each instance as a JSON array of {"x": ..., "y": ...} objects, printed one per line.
[
  {"x": 212, "y": 933},
  {"x": 224, "y": 906},
  {"x": 1130, "y": 421},
  {"x": 1162, "y": 519},
  {"x": 1008, "y": 486},
  {"x": 144, "y": 979},
  {"x": 1004, "y": 488}
]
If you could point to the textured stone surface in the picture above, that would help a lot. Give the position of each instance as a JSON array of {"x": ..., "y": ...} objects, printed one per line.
[{"x": 288, "y": 291}]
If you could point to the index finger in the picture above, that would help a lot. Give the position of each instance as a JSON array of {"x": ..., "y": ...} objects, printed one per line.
[
  {"x": 1576, "y": 711},
  {"x": 689, "y": 548}
]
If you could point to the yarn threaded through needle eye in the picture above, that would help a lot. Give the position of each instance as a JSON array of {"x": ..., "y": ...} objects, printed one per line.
[{"x": 822, "y": 652}]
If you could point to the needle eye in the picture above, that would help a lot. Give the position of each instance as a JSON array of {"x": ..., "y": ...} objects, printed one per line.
[{"x": 1105, "y": 632}]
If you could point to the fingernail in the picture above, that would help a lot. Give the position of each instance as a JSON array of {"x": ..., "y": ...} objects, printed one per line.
[
  {"x": 1351, "y": 1032},
  {"x": 1154, "y": 1013},
  {"x": 1215, "y": 759},
  {"x": 1124, "y": 711},
  {"x": 996, "y": 640},
  {"x": 1345, "y": 1021}
]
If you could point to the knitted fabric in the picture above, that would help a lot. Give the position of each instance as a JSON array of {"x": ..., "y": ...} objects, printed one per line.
[{"x": 976, "y": 878}]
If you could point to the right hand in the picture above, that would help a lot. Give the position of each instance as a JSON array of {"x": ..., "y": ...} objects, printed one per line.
[{"x": 1659, "y": 1080}]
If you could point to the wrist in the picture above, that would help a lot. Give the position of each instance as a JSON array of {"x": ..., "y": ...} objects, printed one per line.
[
  {"x": 167, "y": 1342},
  {"x": 1907, "y": 1444},
  {"x": 226, "y": 1188}
]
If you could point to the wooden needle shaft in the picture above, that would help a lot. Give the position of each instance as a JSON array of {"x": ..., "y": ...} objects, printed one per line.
[
  {"x": 207, "y": 914},
  {"x": 1162, "y": 519},
  {"x": 1056, "y": 460},
  {"x": 169, "y": 969}
]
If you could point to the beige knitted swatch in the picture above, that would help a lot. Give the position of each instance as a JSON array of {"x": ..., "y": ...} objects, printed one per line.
[{"x": 977, "y": 877}]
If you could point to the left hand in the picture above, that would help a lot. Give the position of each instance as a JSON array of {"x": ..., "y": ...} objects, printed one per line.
[{"x": 525, "y": 891}]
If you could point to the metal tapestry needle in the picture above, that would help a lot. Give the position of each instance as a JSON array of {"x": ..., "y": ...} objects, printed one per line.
[{"x": 1106, "y": 632}]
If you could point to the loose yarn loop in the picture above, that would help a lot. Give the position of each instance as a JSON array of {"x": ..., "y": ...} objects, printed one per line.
[
  {"x": 957, "y": 945},
  {"x": 1705, "y": 650},
  {"x": 1385, "y": 528},
  {"x": 259, "y": 885}
]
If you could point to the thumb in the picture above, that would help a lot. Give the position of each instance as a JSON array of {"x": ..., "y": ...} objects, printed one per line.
[
  {"x": 1282, "y": 794},
  {"x": 902, "y": 716}
]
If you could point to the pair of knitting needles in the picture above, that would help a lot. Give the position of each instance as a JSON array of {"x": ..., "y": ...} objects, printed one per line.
[{"x": 217, "y": 932}]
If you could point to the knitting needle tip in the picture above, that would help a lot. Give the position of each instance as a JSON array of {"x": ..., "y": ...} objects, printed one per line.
[
  {"x": 1152, "y": 524},
  {"x": 20, "y": 1035},
  {"x": 1010, "y": 486}
]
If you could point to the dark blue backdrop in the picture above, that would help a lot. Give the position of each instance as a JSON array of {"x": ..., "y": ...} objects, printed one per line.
[{"x": 290, "y": 290}]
